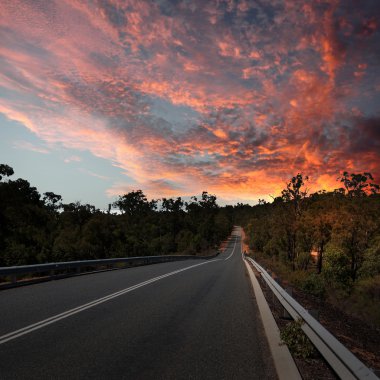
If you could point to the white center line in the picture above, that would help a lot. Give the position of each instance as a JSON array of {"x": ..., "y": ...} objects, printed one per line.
[{"x": 55, "y": 318}]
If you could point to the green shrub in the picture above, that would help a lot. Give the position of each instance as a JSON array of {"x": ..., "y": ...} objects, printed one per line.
[
  {"x": 271, "y": 248},
  {"x": 337, "y": 268},
  {"x": 298, "y": 277},
  {"x": 370, "y": 288},
  {"x": 296, "y": 340},
  {"x": 371, "y": 262},
  {"x": 303, "y": 260},
  {"x": 314, "y": 284},
  {"x": 365, "y": 300}
]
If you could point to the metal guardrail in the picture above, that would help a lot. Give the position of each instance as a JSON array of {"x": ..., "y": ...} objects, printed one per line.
[
  {"x": 53, "y": 268},
  {"x": 345, "y": 364}
]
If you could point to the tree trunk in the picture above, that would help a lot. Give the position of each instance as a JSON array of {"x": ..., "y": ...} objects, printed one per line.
[{"x": 320, "y": 258}]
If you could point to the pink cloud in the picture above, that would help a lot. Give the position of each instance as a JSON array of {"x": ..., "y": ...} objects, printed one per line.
[
  {"x": 26, "y": 145},
  {"x": 259, "y": 88}
]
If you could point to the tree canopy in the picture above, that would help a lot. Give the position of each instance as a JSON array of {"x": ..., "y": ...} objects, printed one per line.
[{"x": 37, "y": 229}]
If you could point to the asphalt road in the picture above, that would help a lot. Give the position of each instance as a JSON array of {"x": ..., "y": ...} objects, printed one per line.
[{"x": 185, "y": 320}]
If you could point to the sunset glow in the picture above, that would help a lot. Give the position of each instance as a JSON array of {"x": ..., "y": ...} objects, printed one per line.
[{"x": 232, "y": 97}]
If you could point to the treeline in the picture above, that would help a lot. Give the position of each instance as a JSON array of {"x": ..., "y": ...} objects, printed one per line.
[
  {"x": 37, "y": 228},
  {"x": 326, "y": 241},
  {"x": 340, "y": 228}
]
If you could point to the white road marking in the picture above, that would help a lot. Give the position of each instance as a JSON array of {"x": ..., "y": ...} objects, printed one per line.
[
  {"x": 55, "y": 318},
  {"x": 233, "y": 250}
]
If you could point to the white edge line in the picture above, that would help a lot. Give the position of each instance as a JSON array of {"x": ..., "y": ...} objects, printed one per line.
[
  {"x": 233, "y": 250},
  {"x": 55, "y": 318},
  {"x": 283, "y": 360}
]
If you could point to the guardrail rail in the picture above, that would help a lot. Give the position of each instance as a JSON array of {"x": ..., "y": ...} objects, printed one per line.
[
  {"x": 345, "y": 364},
  {"x": 51, "y": 269}
]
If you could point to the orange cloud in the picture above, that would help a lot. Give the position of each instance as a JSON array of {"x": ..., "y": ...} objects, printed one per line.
[{"x": 192, "y": 96}]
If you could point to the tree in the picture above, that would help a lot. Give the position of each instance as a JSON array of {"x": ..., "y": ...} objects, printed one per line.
[
  {"x": 359, "y": 185},
  {"x": 5, "y": 170},
  {"x": 76, "y": 214},
  {"x": 171, "y": 221},
  {"x": 172, "y": 205},
  {"x": 208, "y": 201},
  {"x": 135, "y": 203},
  {"x": 322, "y": 235},
  {"x": 294, "y": 196},
  {"x": 24, "y": 234},
  {"x": 21, "y": 191},
  {"x": 201, "y": 220},
  {"x": 52, "y": 201},
  {"x": 353, "y": 232},
  {"x": 359, "y": 224},
  {"x": 323, "y": 214},
  {"x": 97, "y": 239}
]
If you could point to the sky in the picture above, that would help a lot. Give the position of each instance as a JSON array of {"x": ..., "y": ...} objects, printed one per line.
[{"x": 99, "y": 98}]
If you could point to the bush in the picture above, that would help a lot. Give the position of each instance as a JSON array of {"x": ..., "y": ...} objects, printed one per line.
[
  {"x": 303, "y": 260},
  {"x": 370, "y": 287},
  {"x": 271, "y": 248},
  {"x": 296, "y": 340},
  {"x": 371, "y": 264},
  {"x": 314, "y": 284},
  {"x": 365, "y": 300},
  {"x": 337, "y": 268}
]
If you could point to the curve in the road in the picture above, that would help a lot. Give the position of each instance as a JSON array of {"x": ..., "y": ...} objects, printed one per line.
[{"x": 192, "y": 322}]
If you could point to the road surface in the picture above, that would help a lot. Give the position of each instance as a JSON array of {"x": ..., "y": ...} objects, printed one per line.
[{"x": 181, "y": 320}]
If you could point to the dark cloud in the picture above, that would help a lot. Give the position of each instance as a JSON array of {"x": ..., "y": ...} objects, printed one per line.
[
  {"x": 169, "y": 8},
  {"x": 111, "y": 99},
  {"x": 103, "y": 60},
  {"x": 364, "y": 136},
  {"x": 115, "y": 14}
]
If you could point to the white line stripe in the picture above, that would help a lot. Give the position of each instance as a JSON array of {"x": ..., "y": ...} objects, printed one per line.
[
  {"x": 233, "y": 250},
  {"x": 55, "y": 318}
]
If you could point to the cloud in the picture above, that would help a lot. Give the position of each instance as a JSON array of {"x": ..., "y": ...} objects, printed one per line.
[
  {"x": 364, "y": 136},
  {"x": 232, "y": 97},
  {"x": 72, "y": 159},
  {"x": 26, "y": 145},
  {"x": 92, "y": 174}
]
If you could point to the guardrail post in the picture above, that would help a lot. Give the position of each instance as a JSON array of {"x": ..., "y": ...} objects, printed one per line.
[
  {"x": 13, "y": 279},
  {"x": 264, "y": 283},
  {"x": 285, "y": 314}
]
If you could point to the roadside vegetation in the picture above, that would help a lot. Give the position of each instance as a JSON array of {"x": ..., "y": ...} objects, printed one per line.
[
  {"x": 37, "y": 228},
  {"x": 326, "y": 243}
]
